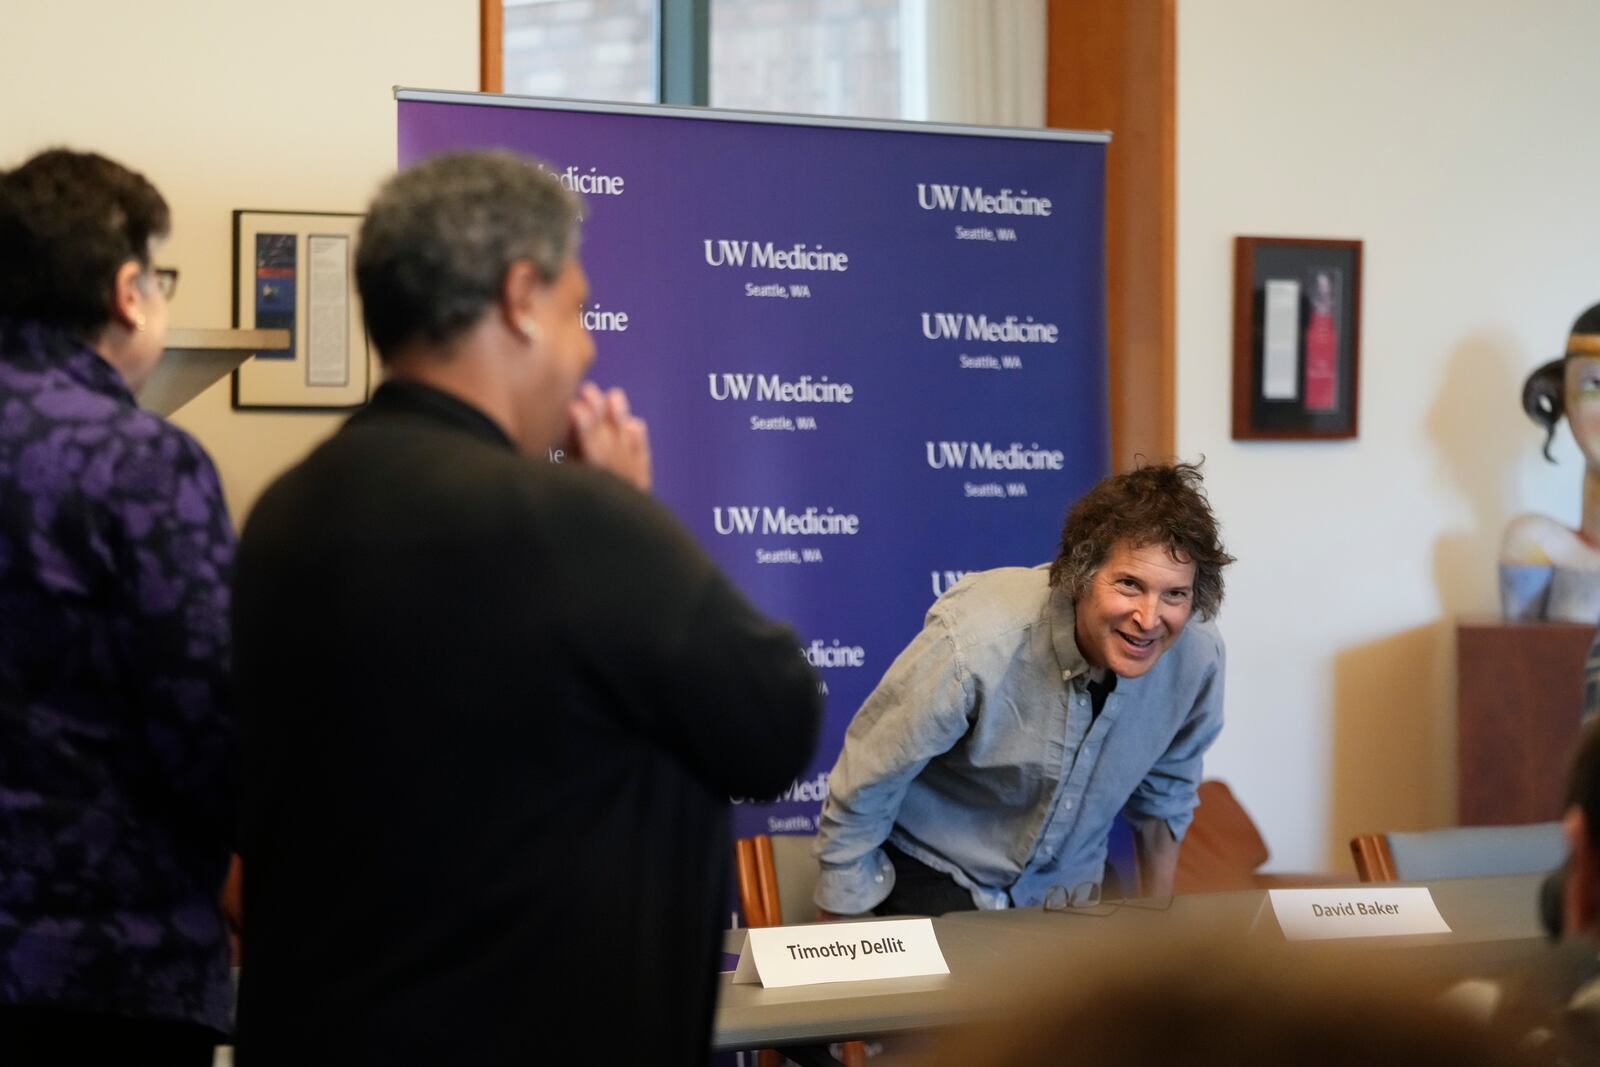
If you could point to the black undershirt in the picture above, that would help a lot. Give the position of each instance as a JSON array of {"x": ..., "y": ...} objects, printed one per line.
[{"x": 1098, "y": 691}]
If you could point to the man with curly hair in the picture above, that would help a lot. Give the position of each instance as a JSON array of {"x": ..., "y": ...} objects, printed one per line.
[{"x": 986, "y": 768}]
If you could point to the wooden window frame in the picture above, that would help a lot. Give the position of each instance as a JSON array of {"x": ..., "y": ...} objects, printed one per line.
[{"x": 683, "y": 50}]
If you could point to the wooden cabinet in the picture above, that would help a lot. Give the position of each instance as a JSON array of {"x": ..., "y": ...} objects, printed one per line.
[{"x": 1519, "y": 702}]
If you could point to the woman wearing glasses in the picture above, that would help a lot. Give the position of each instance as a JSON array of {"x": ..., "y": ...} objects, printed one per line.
[{"x": 116, "y": 729}]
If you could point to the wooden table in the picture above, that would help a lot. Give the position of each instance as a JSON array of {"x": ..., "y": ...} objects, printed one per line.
[{"x": 1494, "y": 924}]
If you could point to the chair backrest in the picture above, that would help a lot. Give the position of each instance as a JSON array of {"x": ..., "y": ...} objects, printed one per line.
[
  {"x": 1460, "y": 852},
  {"x": 1222, "y": 847},
  {"x": 797, "y": 873},
  {"x": 1373, "y": 862},
  {"x": 758, "y": 885},
  {"x": 777, "y": 876}
]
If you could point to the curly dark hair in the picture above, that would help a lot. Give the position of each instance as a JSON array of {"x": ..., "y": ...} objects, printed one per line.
[
  {"x": 440, "y": 236},
  {"x": 1542, "y": 399},
  {"x": 1156, "y": 504},
  {"x": 68, "y": 222},
  {"x": 1544, "y": 391}
]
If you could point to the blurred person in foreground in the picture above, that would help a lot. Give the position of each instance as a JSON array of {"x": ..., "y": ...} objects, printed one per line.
[
  {"x": 116, "y": 730},
  {"x": 1553, "y": 999},
  {"x": 1159, "y": 1001},
  {"x": 494, "y": 706},
  {"x": 987, "y": 767}
]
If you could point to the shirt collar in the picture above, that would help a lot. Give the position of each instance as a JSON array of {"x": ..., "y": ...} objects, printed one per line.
[
  {"x": 46, "y": 348},
  {"x": 1064, "y": 636},
  {"x": 406, "y": 396}
]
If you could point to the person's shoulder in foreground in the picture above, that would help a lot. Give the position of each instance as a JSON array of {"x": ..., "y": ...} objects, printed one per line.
[{"x": 1552, "y": 1002}]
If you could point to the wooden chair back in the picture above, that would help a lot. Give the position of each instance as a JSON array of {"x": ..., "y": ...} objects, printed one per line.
[
  {"x": 758, "y": 881},
  {"x": 1373, "y": 862},
  {"x": 233, "y": 906},
  {"x": 1222, "y": 847},
  {"x": 1459, "y": 852}
]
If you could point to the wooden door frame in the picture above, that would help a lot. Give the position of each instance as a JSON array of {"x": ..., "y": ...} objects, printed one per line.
[
  {"x": 491, "y": 46},
  {"x": 1112, "y": 65}
]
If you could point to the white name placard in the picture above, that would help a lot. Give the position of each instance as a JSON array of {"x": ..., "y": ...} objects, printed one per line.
[
  {"x": 840, "y": 952},
  {"x": 1321, "y": 914}
]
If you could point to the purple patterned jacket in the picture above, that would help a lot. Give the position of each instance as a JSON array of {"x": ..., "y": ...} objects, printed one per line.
[{"x": 117, "y": 730}]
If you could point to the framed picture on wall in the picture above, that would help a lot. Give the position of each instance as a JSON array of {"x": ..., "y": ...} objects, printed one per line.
[
  {"x": 296, "y": 271},
  {"x": 1296, "y": 338}
]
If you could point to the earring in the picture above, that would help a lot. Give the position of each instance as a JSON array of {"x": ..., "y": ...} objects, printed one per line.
[
  {"x": 138, "y": 320},
  {"x": 530, "y": 330}
]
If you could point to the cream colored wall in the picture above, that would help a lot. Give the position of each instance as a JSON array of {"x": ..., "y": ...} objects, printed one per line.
[
  {"x": 228, "y": 105},
  {"x": 1455, "y": 138}
]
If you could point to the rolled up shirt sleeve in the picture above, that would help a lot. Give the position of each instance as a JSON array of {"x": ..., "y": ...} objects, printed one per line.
[
  {"x": 1169, "y": 791},
  {"x": 920, "y": 709}
]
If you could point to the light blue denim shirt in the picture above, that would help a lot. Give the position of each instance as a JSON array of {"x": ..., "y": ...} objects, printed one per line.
[{"x": 978, "y": 753}]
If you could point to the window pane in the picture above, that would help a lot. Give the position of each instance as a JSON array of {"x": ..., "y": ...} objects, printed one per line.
[
  {"x": 818, "y": 57},
  {"x": 586, "y": 49}
]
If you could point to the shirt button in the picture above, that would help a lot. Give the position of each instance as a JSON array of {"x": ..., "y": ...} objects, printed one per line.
[{"x": 1069, "y": 805}]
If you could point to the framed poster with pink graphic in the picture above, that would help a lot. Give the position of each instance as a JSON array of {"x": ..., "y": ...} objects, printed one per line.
[{"x": 1296, "y": 337}]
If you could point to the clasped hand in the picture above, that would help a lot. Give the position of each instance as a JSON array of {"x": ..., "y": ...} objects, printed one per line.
[{"x": 607, "y": 435}]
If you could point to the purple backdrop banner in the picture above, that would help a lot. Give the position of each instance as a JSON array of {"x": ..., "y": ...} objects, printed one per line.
[{"x": 872, "y": 357}]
